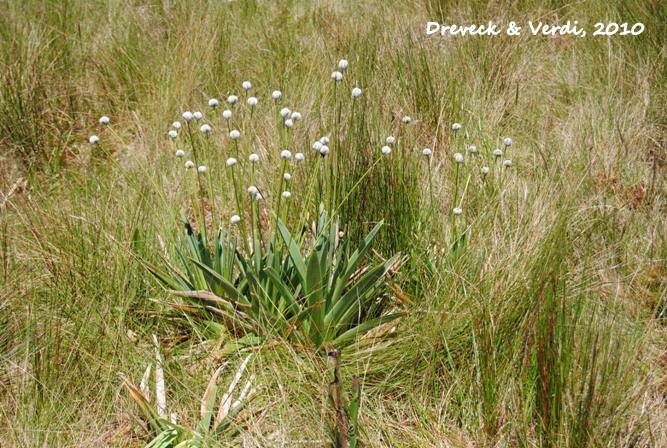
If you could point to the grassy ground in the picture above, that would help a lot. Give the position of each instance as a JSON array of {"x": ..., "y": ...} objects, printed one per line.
[{"x": 546, "y": 328}]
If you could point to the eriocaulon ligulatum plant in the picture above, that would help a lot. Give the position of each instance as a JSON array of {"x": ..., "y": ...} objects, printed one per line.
[
  {"x": 543, "y": 327},
  {"x": 239, "y": 261}
]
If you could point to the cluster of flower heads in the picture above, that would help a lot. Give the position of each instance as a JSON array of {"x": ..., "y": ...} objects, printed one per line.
[
  {"x": 321, "y": 146},
  {"x": 338, "y": 75},
  {"x": 390, "y": 140},
  {"x": 205, "y": 128},
  {"x": 472, "y": 149},
  {"x": 289, "y": 118},
  {"x": 95, "y": 139},
  {"x": 213, "y": 103},
  {"x": 286, "y": 156},
  {"x": 386, "y": 149}
]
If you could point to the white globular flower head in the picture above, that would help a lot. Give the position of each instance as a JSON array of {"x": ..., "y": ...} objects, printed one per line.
[
  {"x": 458, "y": 157},
  {"x": 234, "y": 134},
  {"x": 284, "y": 112},
  {"x": 296, "y": 116},
  {"x": 324, "y": 140},
  {"x": 485, "y": 170},
  {"x": 507, "y": 163},
  {"x": 180, "y": 153},
  {"x": 299, "y": 156},
  {"x": 343, "y": 64},
  {"x": 427, "y": 152},
  {"x": 172, "y": 134},
  {"x": 286, "y": 194},
  {"x": 317, "y": 146},
  {"x": 235, "y": 219},
  {"x": 205, "y": 129},
  {"x": 198, "y": 115},
  {"x": 276, "y": 95},
  {"x": 94, "y": 140},
  {"x": 457, "y": 211},
  {"x": 176, "y": 125},
  {"x": 231, "y": 162},
  {"x": 337, "y": 76},
  {"x": 226, "y": 114},
  {"x": 258, "y": 196},
  {"x": 386, "y": 150},
  {"x": 246, "y": 85},
  {"x": 253, "y": 190},
  {"x": 497, "y": 152},
  {"x": 213, "y": 103},
  {"x": 289, "y": 123},
  {"x": 456, "y": 127},
  {"x": 324, "y": 150},
  {"x": 202, "y": 169},
  {"x": 104, "y": 120},
  {"x": 406, "y": 119},
  {"x": 252, "y": 101},
  {"x": 187, "y": 115},
  {"x": 285, "y": 154},
  {"x": 356, "y": 92},
  {"x": 472, "y": 149},
  {"x": 232, "y": 99},
  {"x": 189, "y": 165},
  {"x": 253, "y": 158},
  {"x": 391, "y": 140},
  {"x": 507, "y": 141},
  {"x": 287, "y": 176}
]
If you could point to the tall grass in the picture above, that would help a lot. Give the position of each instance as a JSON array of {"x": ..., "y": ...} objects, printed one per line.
[{"x": 534, "y": 318}]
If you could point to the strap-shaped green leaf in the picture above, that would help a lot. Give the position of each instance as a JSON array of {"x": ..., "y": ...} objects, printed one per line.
[
  {"x": 267, "y": 308},
  {"x": 169, "y": 281},
  {"x": 294, "y": 251},
  {"x": 166, "y": 439},
  {"x": 343, "y": 310},
  {"x": 345, "y": 270},
  {"x": 198, "y": 277},
  {"x": 229, "y": 289},
  {"x": 315, "y": 296},
  {"x": 284, "y": 290}
]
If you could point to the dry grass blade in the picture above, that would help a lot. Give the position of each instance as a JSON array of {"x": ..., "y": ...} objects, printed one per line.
[
  {"x": 208, "y": 296},
  {"x": 176, "y": 306},
  {"x": 245, "y": 392},
  {"x": 210, "y": 389},
  {"x": 226, "y": 401},
  {"x": 141, "y": 400},
  {"x": 356, "y": 275},
  {"x": 18, "y": 186},
  {"x": 143, "y": 386},
  {"x": 160, "y": 389},
  {"x": 135, "y": 392}
]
